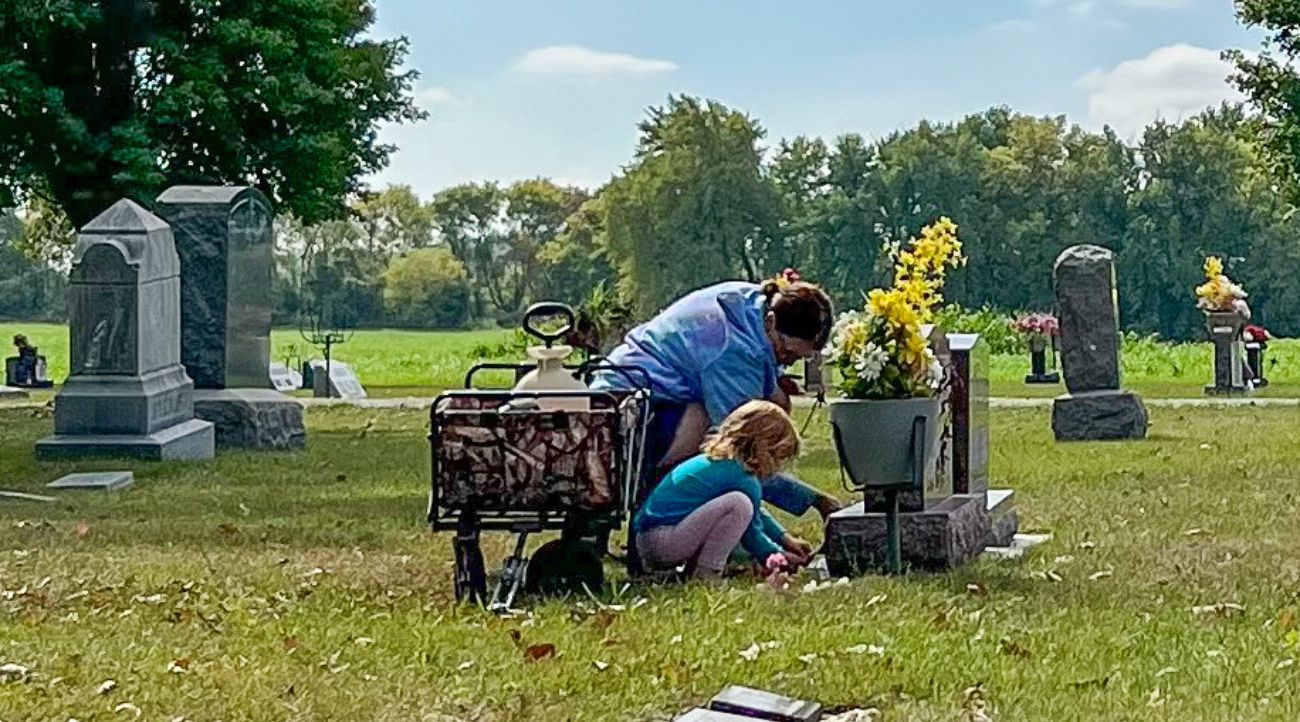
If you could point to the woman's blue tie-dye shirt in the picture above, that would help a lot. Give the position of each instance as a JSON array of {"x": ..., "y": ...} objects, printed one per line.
[{"x": 709, "y": 347}]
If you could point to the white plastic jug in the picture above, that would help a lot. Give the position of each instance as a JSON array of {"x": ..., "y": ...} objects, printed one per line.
[{"x": 550, "y": 374}]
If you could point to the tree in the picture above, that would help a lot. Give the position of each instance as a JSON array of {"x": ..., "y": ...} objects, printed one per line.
[
  {"x": 427, "y": 288},
  {"x": 499, "y": 236},
  {"x": 694, "y": 207},
  {"x": 30, "y": 290},
  {"x": 576, "y": 261},
  {"x": 101, "y": 99},
  {"x": 1272, "y": 82},
  {"x": 394, "y": 221}
]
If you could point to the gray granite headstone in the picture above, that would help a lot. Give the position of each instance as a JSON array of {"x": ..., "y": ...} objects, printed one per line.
[
  {"x": 1095, "y": 409},
  {"x": 223, "y": 238},
  {"x": 106, "y": 480},
  {"x": 1089, "y": 316},
  {"x": 127, "y": 394}
]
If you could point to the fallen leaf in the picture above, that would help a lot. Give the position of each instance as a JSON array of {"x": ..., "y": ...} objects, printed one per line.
[
  {"x": 244, "y": 509},
  {"x": 1154, "y": 700},
  {"x": 1194, "y": 532},
  {"x": 1222, "y": 609},
  {"x": 107, "y": 687},
  {"x": 179, "y": 666},
  {"x": 808, "y": 658},
  {"x": 1283, "y": 664},
  {"x": 1087, "y": 545},
  {"x": 464, "y": 666},
  {"x": 976, "y": 589},
  {"x": 290, "y": 643},
  {"x": 538, "y": 652},
  {"x": 605, "y": 619},
  {"x": 128, "y": 707},
  {"x": 1100, "y": 575},
  {"x": 677, "y": 639},
  {"x": 81, "y": 530},
  {"x": 877, "y": 599},
  {"x": 600, "y": 666},
  {"x": 227, "y": 529},
  {"x": 609, "y": 642},
  {"x": 1286, "y": 619},
  {"x": 364, "y": 641},
  {"x": 10, "y": 672},
  {"x": 1166, "y": 670}
]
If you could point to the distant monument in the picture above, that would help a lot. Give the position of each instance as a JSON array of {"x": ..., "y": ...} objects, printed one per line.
[
  {"x": 127, "y": 393},
  {"x": 1095, "y": 409},
  {"x": 223, "y": 237}
]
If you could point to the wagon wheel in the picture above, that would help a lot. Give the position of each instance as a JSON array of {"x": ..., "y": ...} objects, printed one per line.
[
  {"x": 470, "y": 580},
  {"x": 565, "y": 566}
]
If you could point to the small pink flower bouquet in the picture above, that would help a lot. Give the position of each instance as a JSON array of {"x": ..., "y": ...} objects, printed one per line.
[{"x": 1038, "y": 324}]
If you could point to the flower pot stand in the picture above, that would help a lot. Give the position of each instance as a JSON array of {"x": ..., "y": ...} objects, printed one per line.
[
  {"x": 1038, "y": 373},
  {"x": 1225, "y": 330},
  {"x": 1255, "y": 362}
]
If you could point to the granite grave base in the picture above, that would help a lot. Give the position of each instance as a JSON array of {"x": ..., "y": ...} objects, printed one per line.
[
  {"x": 1099, "y": 416},
  {"x": 252, "y": 418},
  {"x": 187, "y": 441},
  {"x": 947, "y": 535},
  {"x": 12, "y": 393},
  {"x": 1004, "y": 520}
]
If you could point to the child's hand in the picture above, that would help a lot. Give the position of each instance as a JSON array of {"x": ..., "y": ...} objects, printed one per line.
[
  {"x": 797, "y": 550},
  {"x": 789, "y": 385}
]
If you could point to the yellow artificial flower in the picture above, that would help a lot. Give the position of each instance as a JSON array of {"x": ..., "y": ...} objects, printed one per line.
[{"x": 1213, "y": 267}]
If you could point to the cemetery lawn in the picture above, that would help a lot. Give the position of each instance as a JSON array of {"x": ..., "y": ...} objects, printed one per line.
[
  {"x": 305, "y": 587},
  {"x": 421, "y": 363}
]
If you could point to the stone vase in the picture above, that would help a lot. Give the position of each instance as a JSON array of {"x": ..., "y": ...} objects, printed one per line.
[{"x": 875, "y": 438}]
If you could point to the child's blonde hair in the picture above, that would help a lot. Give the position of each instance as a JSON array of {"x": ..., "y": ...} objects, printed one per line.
[{"x": 758, "y": 435}]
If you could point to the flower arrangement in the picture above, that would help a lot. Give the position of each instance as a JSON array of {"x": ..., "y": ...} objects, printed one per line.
[
  {"x": 1038, "y": 324},
  {"x": 1219, "y": 294},
  {"x": 787, "y": 277},
  {"x": 1256, "y": 334},
  {"x": 881, "y": 352}
]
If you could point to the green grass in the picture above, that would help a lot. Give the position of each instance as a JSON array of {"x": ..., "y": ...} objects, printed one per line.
[
  {"x": 305, "y": 587},
  {"x": 421, "y": 363}
]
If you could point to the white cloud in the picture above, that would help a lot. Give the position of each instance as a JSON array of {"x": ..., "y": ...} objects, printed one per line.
[
  {"x": 427, "y": 97},
  {"x": 575, "y": 60},
  {"x": 1085, "y": 7},
  {"x": 1171, "y": 83}
]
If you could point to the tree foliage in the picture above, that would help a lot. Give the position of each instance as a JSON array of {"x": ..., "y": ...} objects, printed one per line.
[
  {"x": 427, "y": 288},
  {"x": 101, "y": 99}
]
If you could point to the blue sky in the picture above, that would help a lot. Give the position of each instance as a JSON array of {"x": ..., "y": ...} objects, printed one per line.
[{"x": 555, "y": 88}]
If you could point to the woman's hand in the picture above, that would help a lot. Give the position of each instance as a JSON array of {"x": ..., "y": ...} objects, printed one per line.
[
  {"x": 789, "y": 385},
  {"x": 797, "y": 550}
]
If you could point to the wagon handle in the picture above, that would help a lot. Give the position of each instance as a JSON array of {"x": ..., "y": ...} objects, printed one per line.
[{"x": 549, "y": 308}]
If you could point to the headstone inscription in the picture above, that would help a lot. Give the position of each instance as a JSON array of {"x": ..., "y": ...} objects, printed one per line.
[
  {"x": 127, "y": 393},
  {"x": 223, "y": 238},
  {"x": 1095, "y": 409}
]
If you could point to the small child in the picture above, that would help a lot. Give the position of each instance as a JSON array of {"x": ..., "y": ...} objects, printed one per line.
[{"x": 712, "y": 502}]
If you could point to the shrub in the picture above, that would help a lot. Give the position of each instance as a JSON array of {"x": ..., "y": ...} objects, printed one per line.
[
  {"x": 995, "y": 327},
  {"x": 427, "y": 288}
]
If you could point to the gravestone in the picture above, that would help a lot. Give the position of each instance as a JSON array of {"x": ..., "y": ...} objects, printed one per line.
[
  {"x": 949, "y": 524},
  {"x": 223, "y": 238},
  {"x": 342, "y": 381},
  {"x": 759, "y": 704},
  {"x": 27, "y": 369},
  {"x": 105, "y": 480},
  {"x": 1095, "y": 409},
  {"x": 1226, "y": 334},
  {"x": 283, "y": 378},
  {"x": 970, "y": 434},
  {"x": 127, "y": 393}
]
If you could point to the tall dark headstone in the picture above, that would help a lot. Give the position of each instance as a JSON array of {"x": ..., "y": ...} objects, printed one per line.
[
  {"x": 127, "y": 394},
  {"x": 1095, "y": 409},
  {"x": 223, "y": 237},
  {"x": 970, "y": 436}
]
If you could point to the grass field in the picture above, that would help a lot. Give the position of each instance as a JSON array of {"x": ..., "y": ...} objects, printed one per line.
[
  {"x": 305, "y": 587},
  {"x": 420, "y": 363}
]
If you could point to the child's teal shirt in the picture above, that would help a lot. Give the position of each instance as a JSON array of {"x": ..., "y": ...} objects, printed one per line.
[{"x": 699, "y": 480}]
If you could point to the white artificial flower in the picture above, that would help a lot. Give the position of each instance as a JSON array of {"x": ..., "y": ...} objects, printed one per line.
[{"x": 869, "y": 362}]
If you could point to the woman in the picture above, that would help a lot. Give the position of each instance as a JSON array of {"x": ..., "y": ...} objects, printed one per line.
[{"x": 715, "y": 349}]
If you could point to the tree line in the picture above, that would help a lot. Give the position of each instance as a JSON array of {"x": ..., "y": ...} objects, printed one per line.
[{"x": 704, "y": 199}]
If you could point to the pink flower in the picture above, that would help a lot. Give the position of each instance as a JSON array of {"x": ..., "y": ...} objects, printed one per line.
[
  {"x": 776, "y": 562},
  {"x": 791, "y": 276}
]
